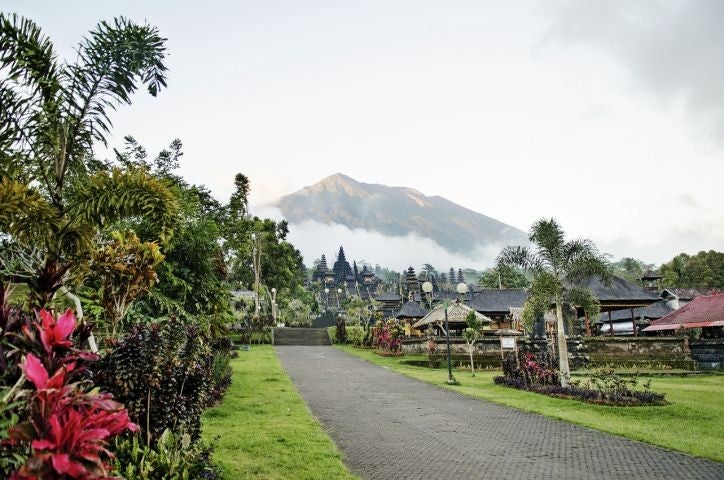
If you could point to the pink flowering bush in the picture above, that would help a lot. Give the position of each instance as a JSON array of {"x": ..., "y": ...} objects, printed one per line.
[
  {"x": 65, "y": 427},
  {"x": 387, "y": 335}
]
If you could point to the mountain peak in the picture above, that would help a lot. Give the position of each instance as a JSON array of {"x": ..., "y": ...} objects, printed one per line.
[
  {"x": 395, "y": 211},
  {"x": 337, "y": 183}
]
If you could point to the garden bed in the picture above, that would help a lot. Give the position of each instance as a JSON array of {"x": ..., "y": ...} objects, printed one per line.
[{"x": 626, "y": 398}]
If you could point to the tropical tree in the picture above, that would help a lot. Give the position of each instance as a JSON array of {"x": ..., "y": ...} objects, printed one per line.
[
  {"x": 557, "y": 267},
  {"x": 630, "y": 268},
  {"x": 471, "y": 334},
  {"x": 122, "y": 270},
  {"x": 503, "y": 277},
  {"x": 52, "y": 198},
  {"x": 703, "y": 270}
]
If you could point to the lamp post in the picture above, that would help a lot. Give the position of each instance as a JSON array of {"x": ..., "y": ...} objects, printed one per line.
[
  {"x": 339, "y": 292},
  {"x": 427, "y": 288},
  {"x": 462, "y": 289}
]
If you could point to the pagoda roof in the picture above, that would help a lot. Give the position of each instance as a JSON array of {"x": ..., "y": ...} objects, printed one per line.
[
  {"x": 650, "y": 275},
  {"x": 493, "y": 300},
  {"x": 704, "y": 311},
  {"x": 411, "y": 309},
  {"x": 619, "y": 293}
]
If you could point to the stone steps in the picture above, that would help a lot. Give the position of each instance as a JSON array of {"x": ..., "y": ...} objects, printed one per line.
[{"x": 300, "y": 336}]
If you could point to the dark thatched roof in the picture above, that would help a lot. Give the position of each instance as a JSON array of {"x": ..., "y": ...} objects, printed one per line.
[
  {"x": 495, "y": 301},
  {"x": 411, "y": 310},
  {"x": 650, "y": 275},
  {"x": 620, "y": 291},
  {"x": 652, "y": 312}
]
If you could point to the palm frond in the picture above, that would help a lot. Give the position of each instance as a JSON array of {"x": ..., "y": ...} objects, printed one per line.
[
  {"x": 111, "y": 196},
  {"x": 27, "y": 56},
  {"x": 585, "y": 299},
  {"x": 29, "y": 90},
  {"x": 24, "y": 213},
  {"x": 583, "y": 261},
  {"x": 550, "y": 238},
  {"x": 520, "y": 257},
  {"x": 113, "y": 61}
]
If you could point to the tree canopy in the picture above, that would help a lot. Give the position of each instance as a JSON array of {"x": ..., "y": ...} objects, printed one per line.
[
  {"x": 557, "y": 266},
  {"x": 703, "y": 270},
  {"x": 503, "y": 276}
]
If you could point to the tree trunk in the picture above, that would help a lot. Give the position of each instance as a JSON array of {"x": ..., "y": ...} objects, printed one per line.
[
  {"x": 562, "y": 346},
  {"x": 472, "y": 363},
  {"x": 79, "y": 315}
]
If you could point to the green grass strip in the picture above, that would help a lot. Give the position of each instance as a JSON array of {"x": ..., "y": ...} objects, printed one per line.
[
  {"x": 265, "y": 429},
  {"x": 693, "y": 423}
]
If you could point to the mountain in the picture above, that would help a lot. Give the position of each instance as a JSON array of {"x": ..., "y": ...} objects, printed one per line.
[{"x": 396, "y": 211}]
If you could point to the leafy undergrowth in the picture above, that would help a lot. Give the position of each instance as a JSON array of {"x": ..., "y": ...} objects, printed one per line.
[
  {"x": 693, "y": 422},
  {"x": 265, "y": 429}
]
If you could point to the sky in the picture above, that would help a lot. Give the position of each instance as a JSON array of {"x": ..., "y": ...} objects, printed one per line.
[{"x": 607, "y": 115}]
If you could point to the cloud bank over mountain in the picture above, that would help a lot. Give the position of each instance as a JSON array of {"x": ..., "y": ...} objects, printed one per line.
[{"x": 392, "y": 226}]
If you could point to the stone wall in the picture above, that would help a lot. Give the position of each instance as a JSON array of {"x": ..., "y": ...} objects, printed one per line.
[
  {"x": 640, "y": 351},
  {"x": 709, "y": 353},
  {"x": 582, "y": 351}
]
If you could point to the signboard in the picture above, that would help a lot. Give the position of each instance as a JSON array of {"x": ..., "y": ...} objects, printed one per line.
[{"x": 507, "y": 343}]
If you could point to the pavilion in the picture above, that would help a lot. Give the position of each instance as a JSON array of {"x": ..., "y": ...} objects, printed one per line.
[
  {"x": 409, "y": 314},
  {"x": 456, "y": 317},
  {"x": 619, "y": 295}
]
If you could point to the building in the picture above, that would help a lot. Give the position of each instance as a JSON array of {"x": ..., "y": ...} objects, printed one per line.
[
  {"x": 678, "y": 297},
  {"x": 409, "y": 314},
  {"x": 705, "y": 312},
  {"x": 496, "y": 304},
  {"x": 618, "y": 295},
  {"x": 622, "y": 320}
]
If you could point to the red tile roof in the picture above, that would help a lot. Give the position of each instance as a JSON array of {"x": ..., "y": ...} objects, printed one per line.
[{"x": 704, "y": 311}]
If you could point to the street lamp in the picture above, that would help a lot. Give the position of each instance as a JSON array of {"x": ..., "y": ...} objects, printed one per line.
[
  {"x": 462, "y": 289},
  {"x": 339, "y": 292},
  {"x": 326, "y": 299},
  {"x": 427, "y": 288}
]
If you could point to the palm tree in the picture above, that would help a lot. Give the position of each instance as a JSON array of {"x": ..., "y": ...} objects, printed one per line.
[
  {"x": 53, "y": 195},
  {"x": 557, "y": 266}
]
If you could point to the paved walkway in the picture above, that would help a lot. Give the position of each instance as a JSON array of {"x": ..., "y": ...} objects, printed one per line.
[{"x": 393, "y": 427}]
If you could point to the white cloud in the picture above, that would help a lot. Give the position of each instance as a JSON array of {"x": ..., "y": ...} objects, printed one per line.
[{"x": 314, "y": 239}]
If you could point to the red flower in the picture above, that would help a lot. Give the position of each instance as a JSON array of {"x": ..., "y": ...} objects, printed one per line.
[
  {"x": 68, "y": 428},
  {"x": 55, "y": 333}
]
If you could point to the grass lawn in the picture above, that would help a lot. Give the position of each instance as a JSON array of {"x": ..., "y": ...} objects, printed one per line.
[
  {"x": 265, "y": 429},
  {"x": 693, "y": 423}
]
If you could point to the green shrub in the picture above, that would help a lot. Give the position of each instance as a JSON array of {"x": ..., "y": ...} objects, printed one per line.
[
  {"x": 355, "y": 335},
  {"x": 224, "y": 351},
  {"x": 332, "y": 332},
  {"x": 10, "y": 458},
  {"x": 166, "y": 366},
  {"x": 174, "y": 457}
]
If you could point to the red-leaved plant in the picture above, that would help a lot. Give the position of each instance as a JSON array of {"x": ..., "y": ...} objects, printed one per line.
[{"x": 67, "y": 427}]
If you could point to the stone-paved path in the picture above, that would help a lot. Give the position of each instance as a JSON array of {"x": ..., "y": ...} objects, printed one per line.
[{"x": 394, "y": 427}]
